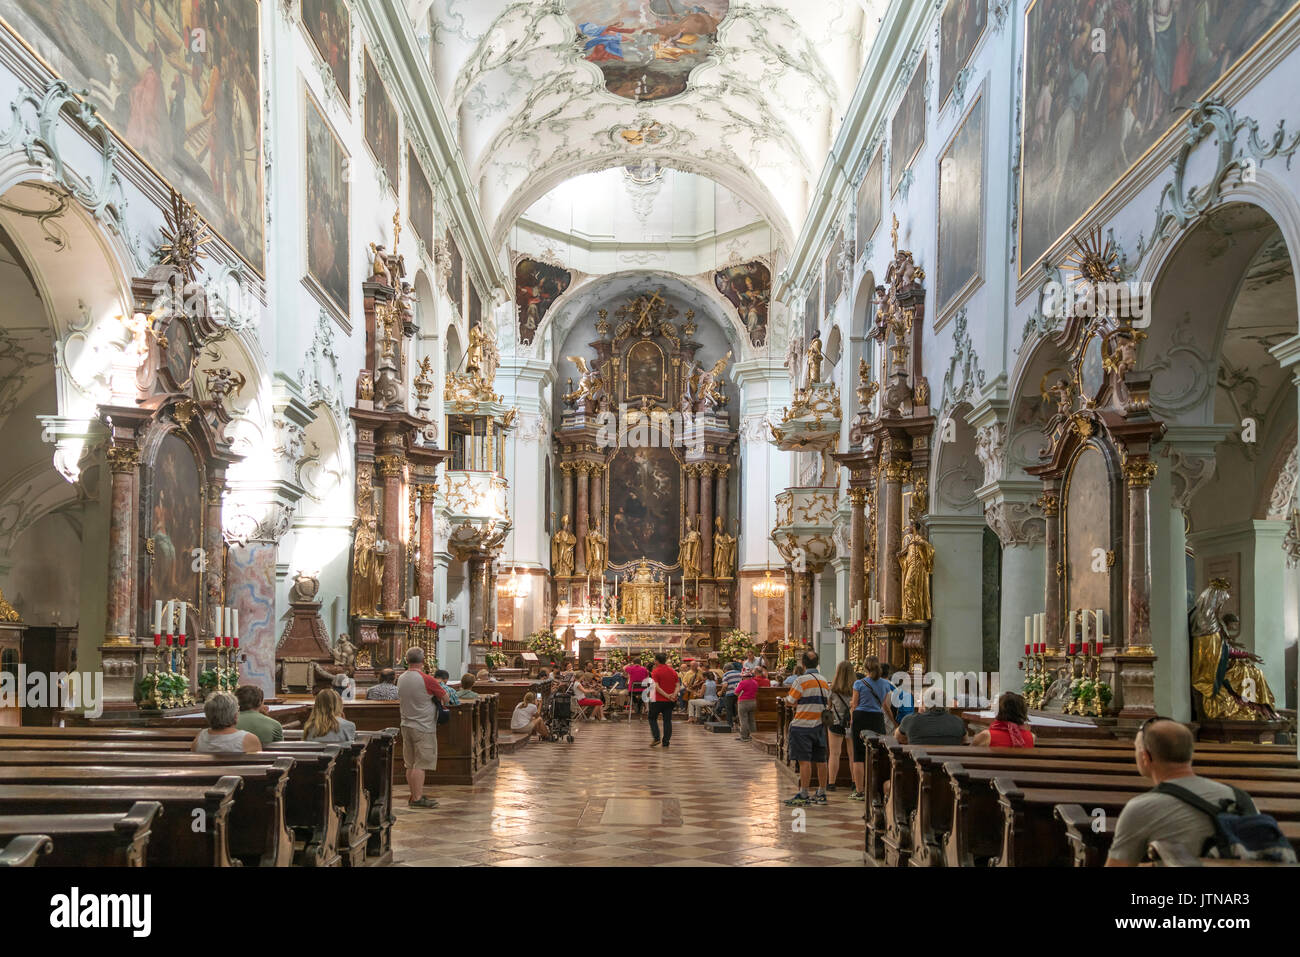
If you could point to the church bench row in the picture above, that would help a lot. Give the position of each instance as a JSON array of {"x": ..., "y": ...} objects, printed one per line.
[
  {"x": 468, "y": 742},
  {"x": 25, "y": 850},
  {"x": 1090, "y": 839},
  {"x": 88, "y": 840},
  {"x": 311, "y": 810},
  {"x": 176, "y": 841},
  {"x": 361, "y": 773}
]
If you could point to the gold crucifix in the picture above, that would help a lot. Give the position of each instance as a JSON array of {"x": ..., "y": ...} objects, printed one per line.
[
  {"x": 893, "y": 233},
  {"x": 397, "y": 229}
]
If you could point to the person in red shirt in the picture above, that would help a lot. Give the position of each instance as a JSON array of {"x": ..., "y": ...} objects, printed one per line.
[
  {"x": 636, "y": 678},
  {"x": 666, "y": 687},
  {"x": 761, "y": 679},
  {"x": 747, "y": 704}
]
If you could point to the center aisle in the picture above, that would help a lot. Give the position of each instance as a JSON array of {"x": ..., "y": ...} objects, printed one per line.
[{"x": 609, "y": 798}]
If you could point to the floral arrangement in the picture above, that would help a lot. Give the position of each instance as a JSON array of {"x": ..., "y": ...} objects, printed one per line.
[
  {"x": 1035, "y": 686},
  {"x": 218, "y": 679},
  {"x": 675, "y": 659},
  {"x": 646, "y": 658},
  {"x": 1090, "y": 696},
  {"x": 164, "y": 688},
  {"x": 736, "y": 644},
  {"x": 494, "y": 659},
  {"x": 615, "y": 659},
  {"x": 546, "y": 645}
]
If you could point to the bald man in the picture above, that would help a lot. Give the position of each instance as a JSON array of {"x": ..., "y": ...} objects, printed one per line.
[{"x": 1163, "y": 750}]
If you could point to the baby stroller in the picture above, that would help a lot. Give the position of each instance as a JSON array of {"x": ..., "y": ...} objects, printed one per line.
[{"x": 559, "y": 712}]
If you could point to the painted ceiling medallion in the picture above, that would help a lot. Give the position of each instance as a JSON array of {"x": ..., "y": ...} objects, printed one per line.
[{"x": 646, "y": 48}]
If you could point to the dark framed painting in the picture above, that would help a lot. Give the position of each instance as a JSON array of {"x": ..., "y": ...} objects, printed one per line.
[
  {"x": 748, "y": 287},
  {"x": 327, "y": 201},
  {"x": 961, "y": 211},
  {"x": 179, "y": 84},
  {"x": 870, "y": 200},
  {"x": 646, "y": 49},
  {"x": 537, "y": 286},
  {"x": 1084, "y": 125},
  {"x": 645, "y": 371},
  {"x": 907, "y": 130},
  {"x": 645, "y": 506},
  {"x": 455, "y": 280},
  {"x": 475, "y": 304},
  {"x": 175, "y": 525},
  {"x": 381, "y": 126},
  {"x": 419, "y": 199},
  {"x": 834, "y": 275},
  {"x": 960, "y": 29},
  {"x": 329, "y": 26}
]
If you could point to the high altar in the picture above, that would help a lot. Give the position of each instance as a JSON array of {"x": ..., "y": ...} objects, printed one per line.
[{"x": 643, "y": 555}]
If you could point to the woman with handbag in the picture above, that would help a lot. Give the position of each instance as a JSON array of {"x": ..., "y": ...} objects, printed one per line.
[
  {"x": 871, "y": 708},
  {"x": 841, "y": 707}
]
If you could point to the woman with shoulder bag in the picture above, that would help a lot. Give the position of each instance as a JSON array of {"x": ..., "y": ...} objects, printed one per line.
[
  {"x": 840, "y": 707},
  {"x": 870, "y": 706}
]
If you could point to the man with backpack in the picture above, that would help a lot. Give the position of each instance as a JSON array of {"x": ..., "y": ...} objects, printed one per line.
[
  {"x": 809, "y": 696},
  {"x": 1199, "y": 814}
]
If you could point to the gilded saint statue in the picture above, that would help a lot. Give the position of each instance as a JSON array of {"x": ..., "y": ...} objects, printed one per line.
[
  {"x": 1226, "y": 679},
  {"x": 916, "y": 556},
  {"x": 475, "y": 358},
  {"x": 562, "y": 546},
  {"x": 724, "y": 550},
  {"x": 690, "y": 553},
  {"x": 597, "y": 551},
  {"x": 813, "y": 360},
  {"x": 367, "y": 564}
]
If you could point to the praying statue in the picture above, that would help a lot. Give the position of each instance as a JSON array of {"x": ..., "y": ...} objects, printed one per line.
[
  {"x": 724, "y": 550},
  {"x": 689, "y": 556},
  {"x": 916, "y": 556},
  {"x": 596, "y": 551},
  {"x": 1227, "y": 683},
  {"x": 562, "y": 546}
]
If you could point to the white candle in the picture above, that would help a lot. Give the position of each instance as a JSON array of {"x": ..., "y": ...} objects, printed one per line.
[
  {"x": 234, "y": 632},
  {"x": 226, "y": 632},
  {"x": 1083, "y": 614},
  {"x": 157, "y": 617},
  {"x": 1070, "y": 626},
  {"x": 216, "y": 622},
  {"x": 1098, "y": 614},
  {"x": 428, "y": 610},
  {"x": 167, "y": 617},
  {"x": 182, "y": 628},
  {"x": 1029, "y": 630},
  {"x": 1040, "y": 627}
]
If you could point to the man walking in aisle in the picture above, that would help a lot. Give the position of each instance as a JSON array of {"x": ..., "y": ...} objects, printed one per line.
[{"x": 665, "y": 682}]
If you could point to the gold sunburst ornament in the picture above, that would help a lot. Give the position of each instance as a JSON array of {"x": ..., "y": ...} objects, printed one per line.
[
  {"x": 184, "y": 237},
  {"x": 1093, "y": 261}
]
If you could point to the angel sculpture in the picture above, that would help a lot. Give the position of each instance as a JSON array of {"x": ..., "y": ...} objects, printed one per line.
[
  {"x": 222, "y": 382},
  {"x": 867, "y": 389},
  {"x": 710, "y": 390},
  {"x": 591, "y": 385},
  {"x": 379, "y": 265}
]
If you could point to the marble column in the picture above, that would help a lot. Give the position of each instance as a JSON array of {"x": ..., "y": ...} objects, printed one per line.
[
  {"x": 1022, "y": 595},
  {"x": 214, "y": 585},
  {"x": 566, "y": 478},
  {"x": 123, "y": 462},
  {"x": 1138, "y": 473},
  {"x": 390, "y": 467},
  {"x": 957, "y": 593},
  {"x": 477, "y": 624},
  {"x": 250, "y": 588},
  {"x": 857, "y": 553},
  {"x": 692, "y": 494},
  {"x": 1054, "y": 584},
  {"x": 895, "y": 473},
  {"x": 582, "y": 470},
  {"x": 597, "y": 494},
  {"x": 720, "y": 498},
  {"x": 706, "y": 519},
  {"x": 424, "y": 575}
]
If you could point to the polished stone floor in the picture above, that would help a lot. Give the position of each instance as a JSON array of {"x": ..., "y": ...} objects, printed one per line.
[{"x": 710, "y": 800}]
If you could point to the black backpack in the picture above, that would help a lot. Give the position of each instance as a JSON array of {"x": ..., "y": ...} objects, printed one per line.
[{"x": 1241, "y": 834}]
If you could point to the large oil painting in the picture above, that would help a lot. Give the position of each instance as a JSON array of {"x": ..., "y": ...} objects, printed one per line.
[
  {"x": 179, "y": 83},
  {"x": 328, "y": 195},
  {"x": 645, "y": 506},
  {"x": 748, "y": 287},
  {"x": 646, "y": 49},
  {"x": 959, "y": 31},
  {"x": 175, "y": 524},
  {"x": 537, "y": 286},
  {"x": 381, "y": 126},
  {"x": 1087, "y": 122},
  {"x": 834, "y": 274},
  {"x": 328, "y": 25},
  {"x": 907, "y": 131},
  {"x": 961, "y": 210},
  {"x": 420, "y": 201},
  {"x": 1088, "y": 524},
  {"x": 455, "y": 266},
  {"x": 646, "y": 370},
  {"x": 869, "y": 199}
]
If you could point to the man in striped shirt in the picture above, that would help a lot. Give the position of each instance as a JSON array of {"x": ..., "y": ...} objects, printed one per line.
[
  {"x": 730, "y": 679},
  {"x": 807, "y": 735}
]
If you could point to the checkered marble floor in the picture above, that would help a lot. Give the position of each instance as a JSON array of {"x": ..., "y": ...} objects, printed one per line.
[{"x": 717, "y": 802}]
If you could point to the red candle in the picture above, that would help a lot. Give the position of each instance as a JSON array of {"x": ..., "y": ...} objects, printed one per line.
[
  {"x": 1027, "y": 650},
  {"x": 169, "y": 641},
  {"x": 157, "y": 640},
  {"x": 236, "y": 642},
  {"x": 1096, "y": 647},
  {"x": 1074, "y": 648}
]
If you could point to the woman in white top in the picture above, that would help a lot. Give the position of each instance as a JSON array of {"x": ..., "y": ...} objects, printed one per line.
[
  {"x": 221, "y": 735},
  {"x": 526, "y": 721},
  {"x": 326, "y": 723}
]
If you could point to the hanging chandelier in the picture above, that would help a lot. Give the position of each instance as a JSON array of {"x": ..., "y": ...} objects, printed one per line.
[
  {"x": 515, "y": 587},
  {"x": 769, "y": 587}
]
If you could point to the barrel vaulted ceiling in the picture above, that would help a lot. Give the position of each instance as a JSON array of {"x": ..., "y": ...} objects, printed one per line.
[{"x": 747, "y": 93}]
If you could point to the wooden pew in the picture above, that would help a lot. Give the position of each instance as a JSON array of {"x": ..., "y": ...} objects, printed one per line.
[
  {"x": 25, "y": 850},
  {"x": 349, "y": 790},
  {"x": 1090, "y": 840},
  {"x": 310, "y": 810},
  {"x": 89, "y": 840},
  {"x": 258, "y": 834},
  {"x": 1034, "y": 836},
  {"x": 176, "y": 842}
]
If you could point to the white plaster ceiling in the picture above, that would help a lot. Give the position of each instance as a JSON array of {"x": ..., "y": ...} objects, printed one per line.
[{"x": 758, "y": 114}]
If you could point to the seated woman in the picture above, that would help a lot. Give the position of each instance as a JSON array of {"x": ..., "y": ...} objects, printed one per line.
[
  {"x": 526, "y": 721},
  {"x": 222, "y": 735},
  {"x": 707, "y": 699},
  {"x": 588, "y": 692},
  {"x": 1011, "y": 727},
  {"x": 326, "y": 723}
]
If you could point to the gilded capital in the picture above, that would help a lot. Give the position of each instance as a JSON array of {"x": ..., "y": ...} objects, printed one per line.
[
  {"x": 390, "y": 466},
  {"x": 857, "y": 497},
  {"x": 123, "y": 458},
  {"x": 427, "y": 493},
  {"x": 1049, "y": 503},
  {"x": 1139, "y": 472}
]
